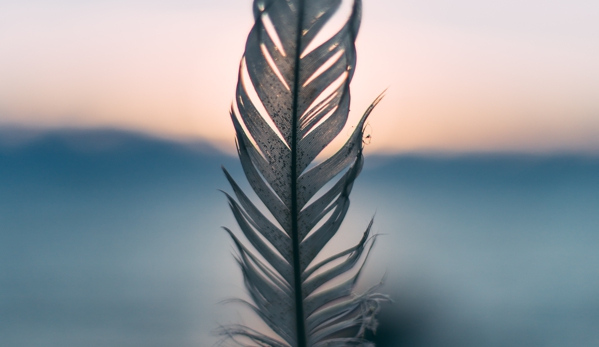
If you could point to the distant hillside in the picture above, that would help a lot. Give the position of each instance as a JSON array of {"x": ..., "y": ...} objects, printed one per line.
[
  {"x": 105, "y": 155},
  {"x": 101, "y": 156},
  {"x": 90, "y": 140}
]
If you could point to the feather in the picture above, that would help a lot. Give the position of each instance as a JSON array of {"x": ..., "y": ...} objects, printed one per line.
[{"x": 306, "y": 97}]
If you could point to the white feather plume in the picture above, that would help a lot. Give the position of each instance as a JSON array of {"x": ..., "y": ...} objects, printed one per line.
[{"x": 306, "y": 98}]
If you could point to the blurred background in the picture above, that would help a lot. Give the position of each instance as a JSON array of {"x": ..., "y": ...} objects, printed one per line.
[{"x": 482, "y": 171}]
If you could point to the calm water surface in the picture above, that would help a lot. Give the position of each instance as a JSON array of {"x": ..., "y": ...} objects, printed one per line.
[{"x": 112, "y": 239}]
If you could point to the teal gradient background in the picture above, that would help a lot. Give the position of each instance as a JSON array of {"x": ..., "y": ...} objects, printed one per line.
[{"x": 113, "y": 239}]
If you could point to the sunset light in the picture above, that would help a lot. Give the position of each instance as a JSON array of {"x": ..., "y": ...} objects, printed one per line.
[
  {"x": 182, "y": 173},
  {"x": 485, "y": 79}
]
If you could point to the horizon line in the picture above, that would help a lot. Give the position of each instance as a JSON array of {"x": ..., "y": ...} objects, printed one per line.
[{"x": 20, "y": 135}]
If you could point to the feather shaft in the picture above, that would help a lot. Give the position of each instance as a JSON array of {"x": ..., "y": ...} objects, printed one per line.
[{"x": 295, "y": 207}]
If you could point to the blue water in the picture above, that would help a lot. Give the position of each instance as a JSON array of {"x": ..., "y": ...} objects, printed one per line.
[{"x": 114, "y": 239}]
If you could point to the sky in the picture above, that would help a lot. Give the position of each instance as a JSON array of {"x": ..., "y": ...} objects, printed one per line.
[{"x": 462, "y": 76}]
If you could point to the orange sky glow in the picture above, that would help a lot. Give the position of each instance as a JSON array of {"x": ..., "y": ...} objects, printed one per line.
[{"x": 471, "y": 78}]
